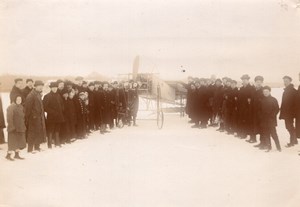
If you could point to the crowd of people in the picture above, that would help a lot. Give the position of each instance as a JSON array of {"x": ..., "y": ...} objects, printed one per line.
[
  {"x": 249, "y": 110},
  {"x": 70, "y": 111}
]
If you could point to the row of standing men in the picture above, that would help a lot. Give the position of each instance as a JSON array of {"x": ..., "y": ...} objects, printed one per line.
[
  {"x": 249, "y": 110},
  {"x": 68, "y": 112}
]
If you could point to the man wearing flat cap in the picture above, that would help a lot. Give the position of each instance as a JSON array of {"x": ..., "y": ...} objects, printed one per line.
[
  {"x": 245, "y": 103},
  {"x": 288, "y": 109},
  {"x": 35, "y": 117},
  {"x": 257, "y": 97}
]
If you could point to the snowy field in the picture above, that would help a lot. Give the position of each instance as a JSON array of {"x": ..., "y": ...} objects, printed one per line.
[{"x": 146, "y": 167}]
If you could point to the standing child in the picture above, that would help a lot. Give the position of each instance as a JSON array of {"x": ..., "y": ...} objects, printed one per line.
[{"x": 16, "y": 128}]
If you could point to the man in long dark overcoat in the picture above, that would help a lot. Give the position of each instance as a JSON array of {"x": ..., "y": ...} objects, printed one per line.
[
  {"x": 53, "y": 105},
  {"x": 35, "y": 117},
  {"x": 245, "y": 101},
  {"x": 256, "y": 106}
]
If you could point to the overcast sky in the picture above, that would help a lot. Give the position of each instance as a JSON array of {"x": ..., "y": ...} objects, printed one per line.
[{"x": 204, "y": 37}]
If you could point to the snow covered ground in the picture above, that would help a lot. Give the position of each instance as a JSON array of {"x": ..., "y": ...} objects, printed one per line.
[{"x": 143, "y": 166}]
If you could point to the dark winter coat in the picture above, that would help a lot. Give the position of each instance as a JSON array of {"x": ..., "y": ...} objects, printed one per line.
[
  {"x": 288, "y": 103},
  {"x": 53, "y": 105},
  {"x": 35, "y": 118},
  {"x": 268, "y": 112},
  {"x": 16, "y": 127}
]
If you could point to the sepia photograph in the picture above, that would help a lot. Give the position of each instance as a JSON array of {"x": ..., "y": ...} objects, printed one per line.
[{"x": 149, "y": 103}]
